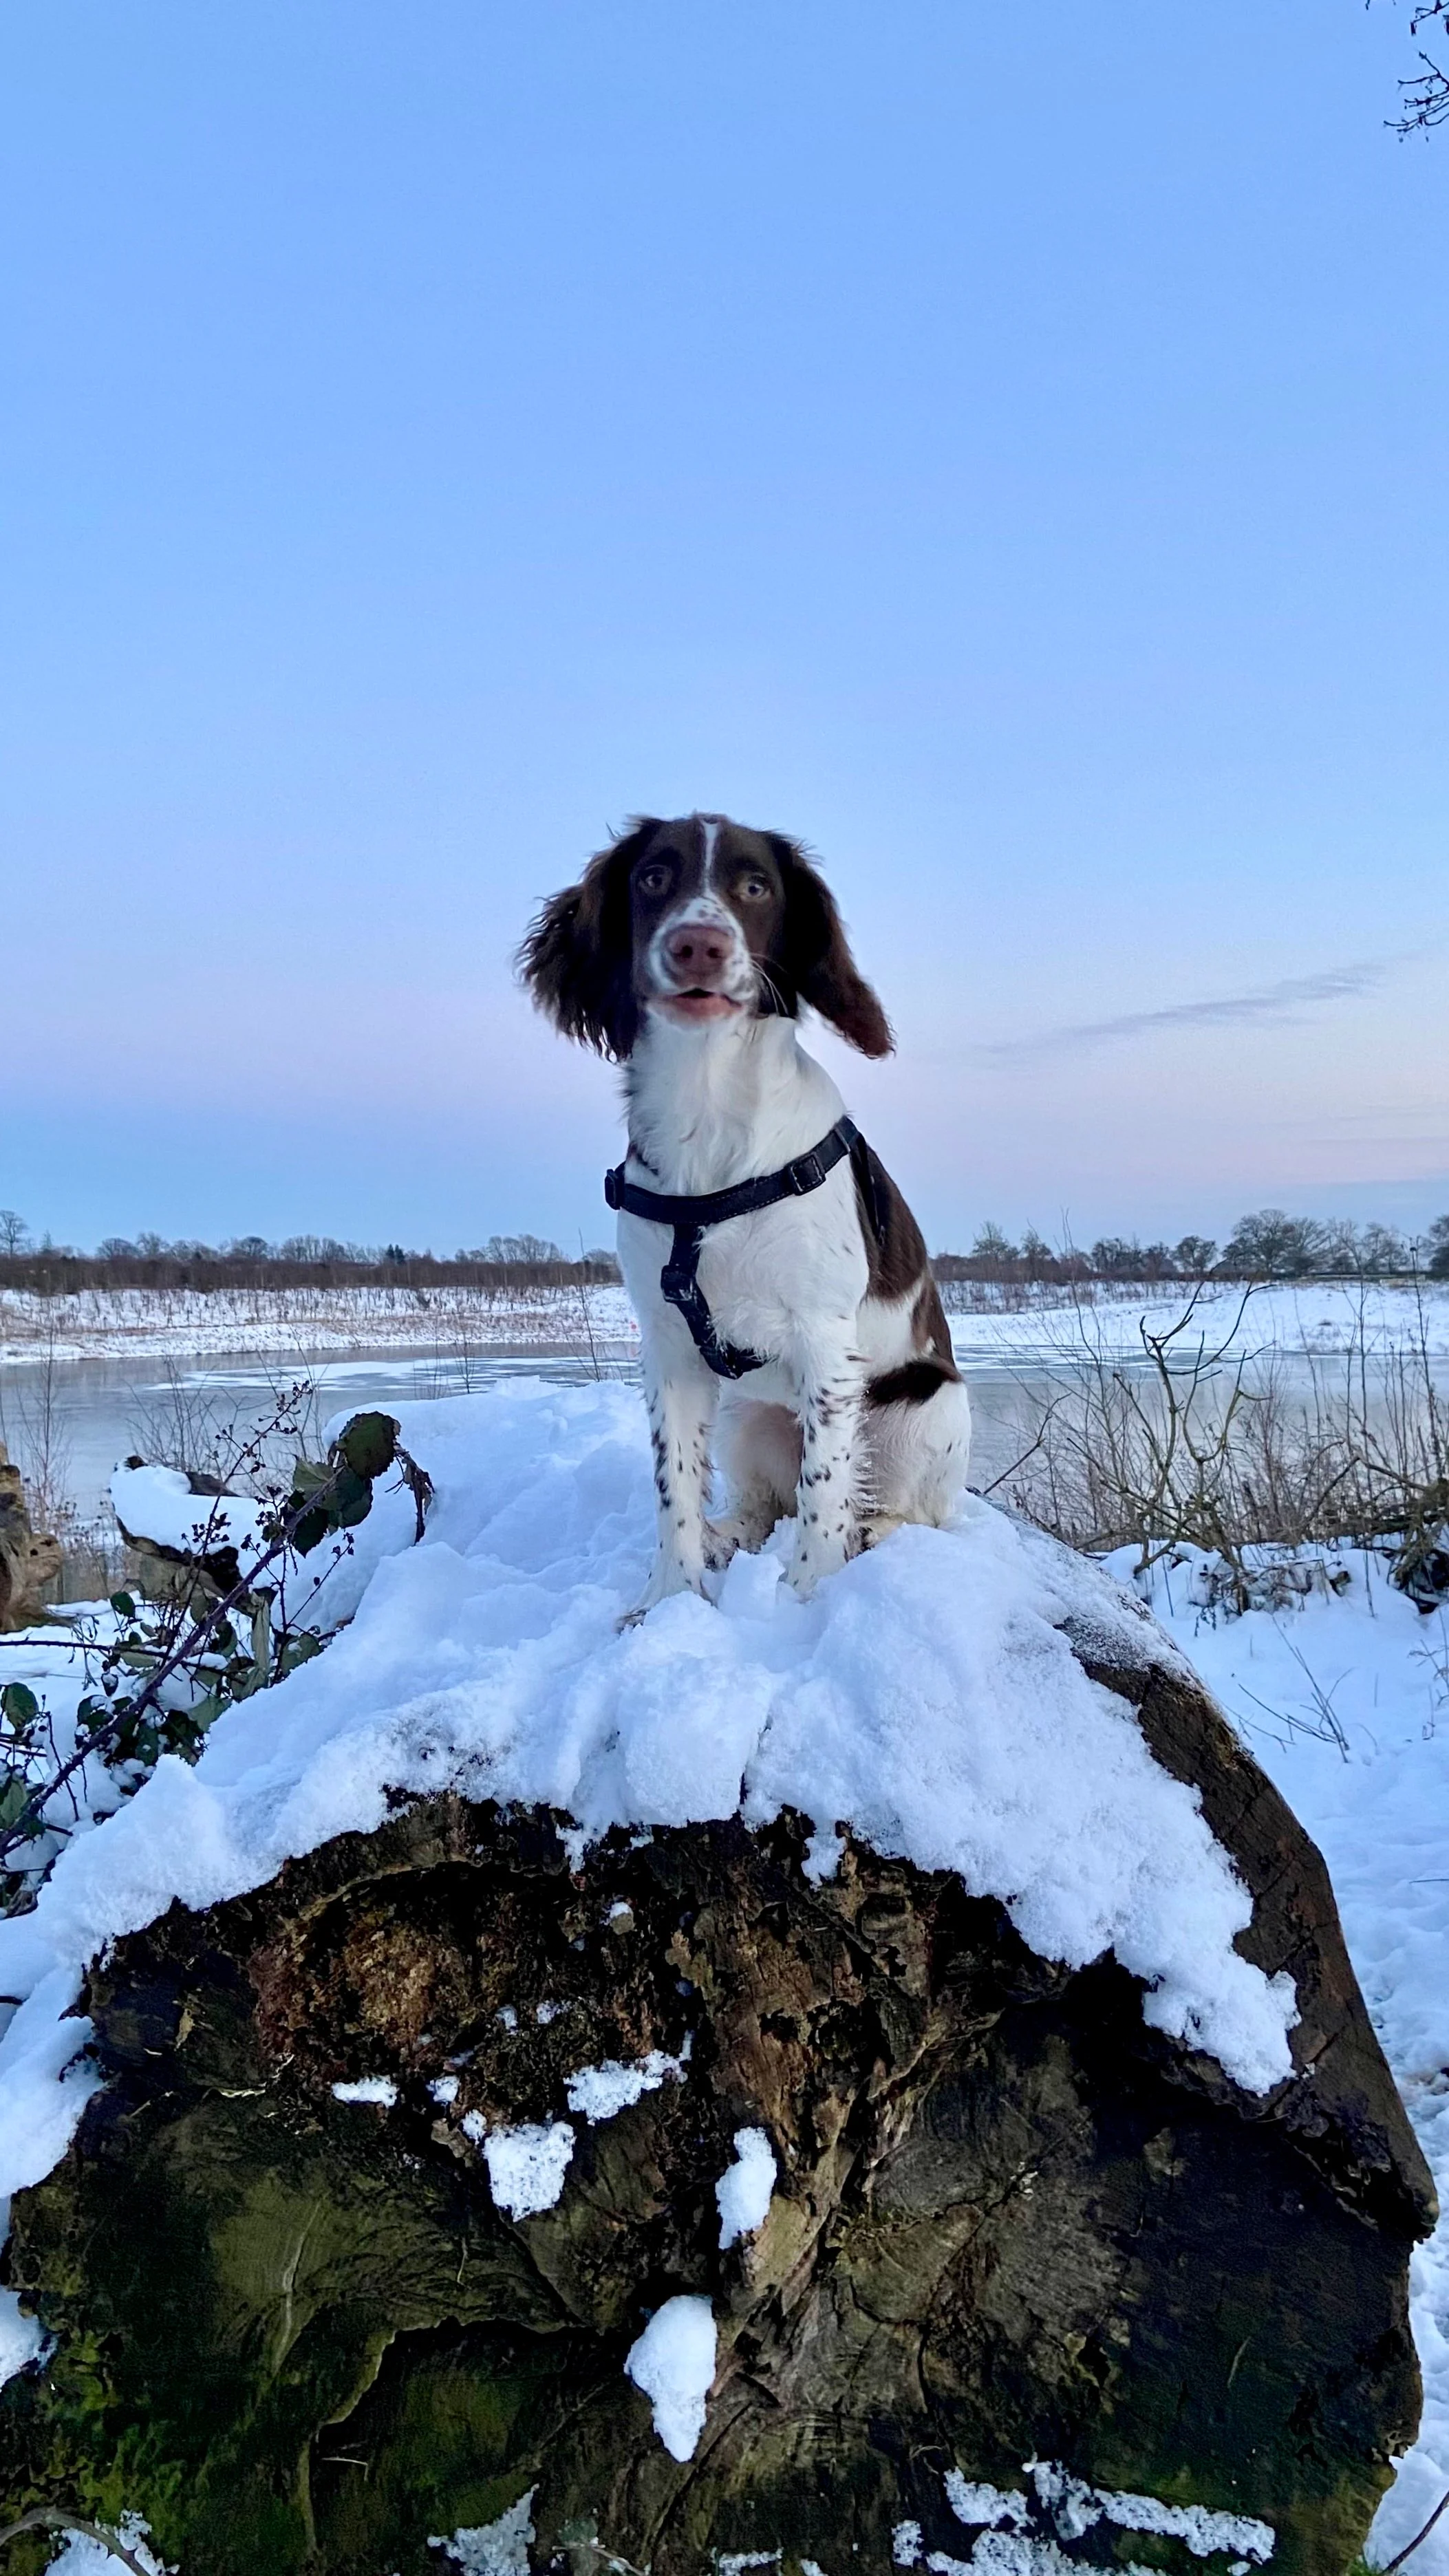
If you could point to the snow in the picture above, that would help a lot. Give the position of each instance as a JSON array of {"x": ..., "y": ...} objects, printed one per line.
[
  {"x": 135, "y": 1323},
  {"x": 526, "y": 2165},
  {"x": 674, "y": 2364},
  {"x": 319, "y": 1590},
  {"x": 1007, "y": 2546},
  {"x": 745, "y": 2188},
  {"x": 1326, "y": 1318},
  {"x": 368, "y": 2088},
  {"x": 157, "y": 1503},
  {"x": 79, "y": 2555},
  {"x": 43, "y": 2086},
  {"x": 598, "y": 2092},
  {"x": 22, "y": 2338},
  {"x": 925, "y": 1699},
  {"x": 1075, "y": 2507},
  {"x": 494, "y": 2548},
  {"x": 186, "y": 1323}
]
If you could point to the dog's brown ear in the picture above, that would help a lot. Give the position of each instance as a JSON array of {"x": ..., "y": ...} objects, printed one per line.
[
  {"x": 816, "y": 959},
  {"x": 577, "y": 960}
]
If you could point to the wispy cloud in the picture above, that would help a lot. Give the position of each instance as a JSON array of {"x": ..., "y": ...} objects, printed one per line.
[{"x": 1269, "y": 1004}]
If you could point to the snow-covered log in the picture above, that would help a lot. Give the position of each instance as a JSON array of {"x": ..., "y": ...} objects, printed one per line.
[
  {"x": 875, "y": 2085},
  {"x": 185, "y": 1539}
]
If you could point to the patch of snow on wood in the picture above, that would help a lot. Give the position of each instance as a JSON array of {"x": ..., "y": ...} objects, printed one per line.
[
  {"x": 526, "y": 2165},
  {"x": 745, "y": 2188},
  {"x": 673, "y": 2362}
]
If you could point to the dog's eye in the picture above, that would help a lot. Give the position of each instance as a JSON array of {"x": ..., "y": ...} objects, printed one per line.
[
  {"x": 755, "y": 888},
  {"x": 654, "y": 879}
]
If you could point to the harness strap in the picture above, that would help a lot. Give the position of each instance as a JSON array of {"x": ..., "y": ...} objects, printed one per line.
[
  {"x": 691, "y": 1219},
  {"x": 714, "y": 1207},
  {"x": 679, "y": 1286}
]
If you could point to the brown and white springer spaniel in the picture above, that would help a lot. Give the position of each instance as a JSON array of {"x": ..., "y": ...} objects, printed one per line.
[{"x": 685, "y": 953}]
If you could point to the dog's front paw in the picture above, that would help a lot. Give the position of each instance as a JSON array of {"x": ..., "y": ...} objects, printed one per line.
[
  {"x": 817, "y": 1556},
  {"x": 875, "y": 1527},
  {"x": 722, "y": 1542},
  {"x": 667, "y": 1580}
]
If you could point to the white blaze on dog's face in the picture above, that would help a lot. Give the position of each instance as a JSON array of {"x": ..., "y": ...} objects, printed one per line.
[{"x": 707, "y": 905}]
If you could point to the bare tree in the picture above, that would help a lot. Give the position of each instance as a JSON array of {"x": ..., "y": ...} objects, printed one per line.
[
  {"x": 1426, "y": 95},
  {"x": 14, "y": 1232}
]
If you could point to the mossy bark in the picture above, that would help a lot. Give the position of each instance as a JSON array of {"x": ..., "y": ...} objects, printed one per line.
[{"x": 1011, "y": 2222}]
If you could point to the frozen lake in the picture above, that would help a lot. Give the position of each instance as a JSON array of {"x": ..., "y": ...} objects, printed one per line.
[
  {"x": 67, "y": 1418},
  {"x": 86, "y": 1415}
]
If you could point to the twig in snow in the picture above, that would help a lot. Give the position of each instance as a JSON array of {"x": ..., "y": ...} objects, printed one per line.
[
  {"x": 1419, "y": 2537},
  {"x": 45, "y": 2517}
]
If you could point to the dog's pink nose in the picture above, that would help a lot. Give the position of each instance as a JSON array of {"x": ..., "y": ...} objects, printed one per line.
[{"x": 697, "y": 952}]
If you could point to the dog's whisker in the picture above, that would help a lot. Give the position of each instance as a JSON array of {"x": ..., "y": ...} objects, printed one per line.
[{"x": 765, "y": 983}]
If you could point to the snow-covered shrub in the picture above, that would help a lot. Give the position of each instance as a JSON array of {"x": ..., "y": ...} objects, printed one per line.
[{"x": 156, "y": 1674}]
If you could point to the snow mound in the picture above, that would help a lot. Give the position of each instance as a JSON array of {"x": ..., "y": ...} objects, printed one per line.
[
  {"x": 368, "y": 2088},
  {"x": 927, "y": 1698},
  {"x": 601, "y": 2092},
  {"x": 157, "y": 1503},
  {"x": 526, "y": 2165},
  {"x": 674, "y": 2363},
  {"x": 746, "y": 2188},
  {"x": 493, "y": 2548},
  {"x": 22, "y": 2337}
]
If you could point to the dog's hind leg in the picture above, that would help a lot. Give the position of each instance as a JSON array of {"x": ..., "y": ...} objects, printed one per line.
[
  {"x": 918, "y": 1457},
  {"x": 759, "y": 1452}
]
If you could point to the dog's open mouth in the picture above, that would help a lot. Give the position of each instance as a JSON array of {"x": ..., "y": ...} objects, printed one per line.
[{"x": 695, "y": 1003}]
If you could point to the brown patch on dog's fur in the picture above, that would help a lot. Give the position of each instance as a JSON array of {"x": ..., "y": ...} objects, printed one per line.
[{"x": 896, "y": 1252}]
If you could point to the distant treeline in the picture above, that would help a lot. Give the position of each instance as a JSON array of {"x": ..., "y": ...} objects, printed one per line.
[
  {"x": 1266, "y": 1245},
  {"x": 506, "y": 1261}
]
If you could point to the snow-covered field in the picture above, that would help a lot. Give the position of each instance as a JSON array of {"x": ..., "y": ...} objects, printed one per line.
[
  {"x": 1323, "y": 1317},
  {"x": 162, "y": 1323},
  {"x": 489, "y": 1657}
]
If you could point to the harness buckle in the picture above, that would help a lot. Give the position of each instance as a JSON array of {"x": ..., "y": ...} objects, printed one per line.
[
  {"x": 805, "y": 1173},
  {"x": 613, "y": 1189}
]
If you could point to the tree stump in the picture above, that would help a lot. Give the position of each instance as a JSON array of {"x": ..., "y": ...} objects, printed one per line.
[
  {"x": 1017, "y": 2238},
  {"x": 30, "y": 1560}
]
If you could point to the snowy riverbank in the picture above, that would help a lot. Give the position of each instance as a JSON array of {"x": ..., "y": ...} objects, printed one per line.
[
  {"x": 1319, "y": 1318},
  {"x": 188, "y": 1323}
]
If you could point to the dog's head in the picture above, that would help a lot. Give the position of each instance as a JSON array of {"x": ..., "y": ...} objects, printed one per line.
[{"x": 700, "y": 921}]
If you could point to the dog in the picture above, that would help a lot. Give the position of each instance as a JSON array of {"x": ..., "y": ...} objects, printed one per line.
[{"x": 784, "y": 1295}]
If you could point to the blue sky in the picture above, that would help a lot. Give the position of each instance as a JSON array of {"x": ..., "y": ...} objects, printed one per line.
[{"x": 1004, "y": 446}]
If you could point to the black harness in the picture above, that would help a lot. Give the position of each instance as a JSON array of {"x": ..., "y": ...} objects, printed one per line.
[{"x": 691, "y": 1219}]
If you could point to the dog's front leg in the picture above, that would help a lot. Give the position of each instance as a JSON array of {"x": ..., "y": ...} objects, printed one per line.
[
  {"x": 830, "y": 1381},
  {"x": 682, "y": 1400}
]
